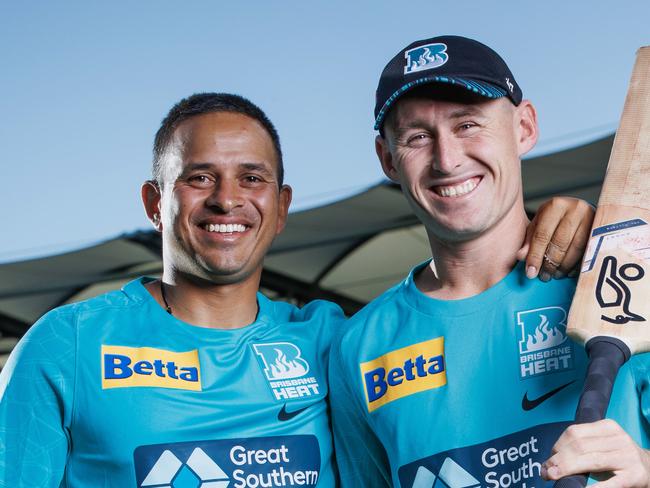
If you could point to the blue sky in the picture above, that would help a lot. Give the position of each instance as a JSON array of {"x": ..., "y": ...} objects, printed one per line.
[{"x": 84, "y": 86}]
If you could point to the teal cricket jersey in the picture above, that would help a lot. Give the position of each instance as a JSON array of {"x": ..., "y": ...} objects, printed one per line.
[
  {"x": 464, "y": 393},
  {"x": 116, "y": 392}
]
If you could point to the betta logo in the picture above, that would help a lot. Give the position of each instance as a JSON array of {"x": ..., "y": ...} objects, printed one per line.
[
  {"x": 425, "y": 57},
  {"x": 404, "y": 372},
  {"x": 543, "y": 344}
]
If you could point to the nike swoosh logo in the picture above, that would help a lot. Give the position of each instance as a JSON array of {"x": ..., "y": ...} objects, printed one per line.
[
  {"x": 283, "y": 415},
  {"x": 527, "y": 404}
]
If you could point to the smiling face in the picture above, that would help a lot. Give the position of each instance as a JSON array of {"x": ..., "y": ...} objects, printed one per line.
[
  {"x": 220, "y": 204},
  {"x": 457, "y": 159}
]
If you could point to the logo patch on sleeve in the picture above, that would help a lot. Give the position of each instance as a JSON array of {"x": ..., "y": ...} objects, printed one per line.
[
  {"x": 126, "y": 367},
  {"x": 405, "y": 371},
  {"x": 286, "y": 371}
]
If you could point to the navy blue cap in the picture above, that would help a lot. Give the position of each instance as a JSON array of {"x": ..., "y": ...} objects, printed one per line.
[{"x": 453, "y": 60}]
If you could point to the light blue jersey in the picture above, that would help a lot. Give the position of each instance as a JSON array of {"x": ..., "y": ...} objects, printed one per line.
[
  {"x": 116, "y": 392},
  {"x": 464, "y": 393}
]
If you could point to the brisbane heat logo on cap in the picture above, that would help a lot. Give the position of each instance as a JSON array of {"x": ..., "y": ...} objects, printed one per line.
[
  {"x": 286, "y": 371},
  {"x": 543, "y": 344},
  {"x": 425, "y": 57},
  {"x": 405, "y": 371}
]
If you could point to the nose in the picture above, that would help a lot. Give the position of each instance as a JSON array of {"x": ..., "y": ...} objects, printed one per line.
[
  {"x": 225, "y": 197},
  {"x": 447, "y": 154}
]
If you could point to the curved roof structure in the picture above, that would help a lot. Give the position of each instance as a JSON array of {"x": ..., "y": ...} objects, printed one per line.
[{"x": 347, "y": 251}]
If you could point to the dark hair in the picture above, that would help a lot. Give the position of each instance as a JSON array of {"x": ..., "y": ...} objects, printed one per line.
[{"x": 203, "y": 103}]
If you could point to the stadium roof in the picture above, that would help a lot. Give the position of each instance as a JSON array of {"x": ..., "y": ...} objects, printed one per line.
[{"x": 348, "y": 251}]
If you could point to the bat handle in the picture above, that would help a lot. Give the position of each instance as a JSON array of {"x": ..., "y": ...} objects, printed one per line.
[{"x": 606, "y": 356}]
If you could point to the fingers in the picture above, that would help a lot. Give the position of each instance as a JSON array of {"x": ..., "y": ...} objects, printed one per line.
[
  {"x": 557, "y": 237},
  {"x": 525, "y": 248},
  {"x": 599, "y": 447},
  {"x": 539, "y": 234},
  {"x": 565, "y": 250}
]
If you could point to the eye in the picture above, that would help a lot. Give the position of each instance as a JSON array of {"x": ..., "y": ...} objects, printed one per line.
[
  {"x": 467, "y": 126},
  {"x": 200, "y": 180},
  {"x": 252, "y": 180},
  {"x": 418, "y": 140}
]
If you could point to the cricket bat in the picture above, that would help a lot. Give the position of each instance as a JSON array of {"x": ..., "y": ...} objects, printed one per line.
[{"x": 610, "y": 312}]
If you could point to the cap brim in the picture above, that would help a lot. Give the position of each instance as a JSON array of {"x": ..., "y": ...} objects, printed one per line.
[{"x": 481, "y": 88}]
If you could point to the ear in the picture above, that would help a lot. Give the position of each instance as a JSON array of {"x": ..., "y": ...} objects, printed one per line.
[
  {"x": 283, "y": 207},
  {"x": 386, "y": 158},
  {"x": 527, "y": 128},
  {"x": 150, "y": 193}
]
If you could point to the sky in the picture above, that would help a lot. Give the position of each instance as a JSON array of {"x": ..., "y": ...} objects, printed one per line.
[{"x": 84, "y": 86}]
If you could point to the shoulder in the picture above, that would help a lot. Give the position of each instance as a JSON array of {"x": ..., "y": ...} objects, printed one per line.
[
  {"x": 380, "y": 305},
  {"x": 60, "y": 324},
  {"x": 315, "y": 311},
  {"x": 379, "y": 311}
]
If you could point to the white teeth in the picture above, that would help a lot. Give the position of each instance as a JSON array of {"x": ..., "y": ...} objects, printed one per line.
[
  {"x": 225, "y": 228},
  {"x": 457, "y": 190}
]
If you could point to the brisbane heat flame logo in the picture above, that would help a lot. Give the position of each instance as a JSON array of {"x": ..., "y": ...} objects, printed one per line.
[
  {"x": 543, "y": 344},
  {"x": 425, "y": 57},
  {"x": 286, "y": 371},
  {"x": 542, "y": 328},
  {"x": 282, "y": 360}
]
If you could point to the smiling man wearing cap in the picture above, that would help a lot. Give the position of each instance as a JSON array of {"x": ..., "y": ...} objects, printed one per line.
[{"x": 463, "y": 372}]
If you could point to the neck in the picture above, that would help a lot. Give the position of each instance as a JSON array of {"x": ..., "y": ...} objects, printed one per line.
[
  {"x": 464, "y": 269},
  {"x": 206, "y": 304}
]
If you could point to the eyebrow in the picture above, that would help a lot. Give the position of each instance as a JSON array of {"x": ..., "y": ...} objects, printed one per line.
[
  {"x": 259, "y": 167},
  {"x": 417, "y": 123}
]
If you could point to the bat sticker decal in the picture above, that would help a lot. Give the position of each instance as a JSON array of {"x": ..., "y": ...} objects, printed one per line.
[{"x": 612, "y": 281}]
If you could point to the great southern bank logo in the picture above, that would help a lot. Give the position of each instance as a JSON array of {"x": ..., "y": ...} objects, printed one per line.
[
  {"x": 543, "y": 344},
  {"x": 511, "y": 461},
  {"x": 279, "y": 461},
  {"x": 451, "y": 474},
  {"x": 286, "y": 370},
  {"x": 425, "y": 57},
  {"x": 171, "y": 472}
]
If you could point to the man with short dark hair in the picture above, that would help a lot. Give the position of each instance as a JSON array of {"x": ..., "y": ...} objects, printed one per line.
[
  {"x": 462, "y": 375},
  {"x": 195, "y": 378}
]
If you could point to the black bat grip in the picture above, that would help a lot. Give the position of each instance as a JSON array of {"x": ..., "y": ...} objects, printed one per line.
[{"x": 606, "y": 356}]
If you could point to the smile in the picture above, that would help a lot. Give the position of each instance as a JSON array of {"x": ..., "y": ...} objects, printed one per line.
[
  {"x": 225, "y": 228},
  {"x": 459, "y": 189}
]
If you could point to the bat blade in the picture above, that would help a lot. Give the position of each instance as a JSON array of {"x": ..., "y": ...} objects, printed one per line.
[
  {"x": 610, "y": 311},
  {"x": 611, "y": 297}
]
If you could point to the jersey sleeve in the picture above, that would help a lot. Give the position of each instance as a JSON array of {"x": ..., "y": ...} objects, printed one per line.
[
  {"x": 36, "y": 387},
  {"x": 630, "y": 401},
  {"x": 360, "y": 456}
]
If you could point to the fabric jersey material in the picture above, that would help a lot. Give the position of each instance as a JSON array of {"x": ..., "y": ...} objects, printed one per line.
[
  {"x": 116, "y": 392},
  {"x": 471, "y": 392}
]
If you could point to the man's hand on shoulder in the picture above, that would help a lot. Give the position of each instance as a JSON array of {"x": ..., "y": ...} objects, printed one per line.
[
  {"x": 604, "y": 449},
  {"x": 556, "y": 238}
]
